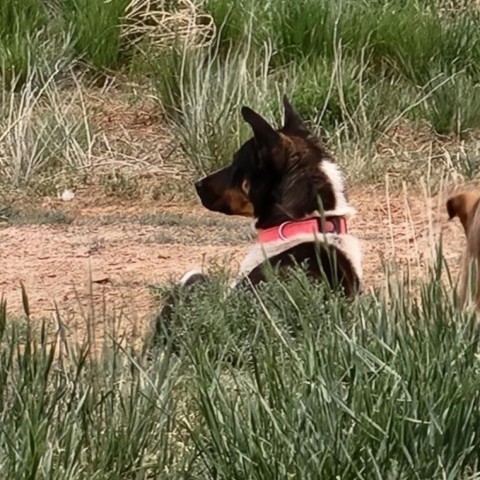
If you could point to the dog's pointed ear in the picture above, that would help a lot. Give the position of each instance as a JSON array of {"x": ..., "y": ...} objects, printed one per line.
[
  {"x": 292, "y": 120},
  {"x": 264, "y": 133}
]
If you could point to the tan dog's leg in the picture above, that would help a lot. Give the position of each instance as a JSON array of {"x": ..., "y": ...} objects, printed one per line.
[
  {"x": 477, "y": 279},
  {"x": 469, "y": 286},
  {"x": 464, "y": 280}
]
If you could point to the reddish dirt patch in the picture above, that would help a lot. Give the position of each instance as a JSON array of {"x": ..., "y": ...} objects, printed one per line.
[
  {"x": 98, "y": 267},
  {"x": 93, "y": 272}
]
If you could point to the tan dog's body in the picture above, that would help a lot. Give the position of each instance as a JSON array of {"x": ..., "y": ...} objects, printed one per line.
[{"x": 465, "y": 206}]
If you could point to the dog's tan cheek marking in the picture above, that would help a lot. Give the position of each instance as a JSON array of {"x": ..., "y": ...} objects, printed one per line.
[{"x": 238, "y": 202}]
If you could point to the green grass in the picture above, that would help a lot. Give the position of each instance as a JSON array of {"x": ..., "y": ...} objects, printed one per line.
[
  {"x": 354, "y": 69},
  {"x": 238, "y": 20},
  {"x": 40, "y": 35},
  {"x": 29, "y": 39},
  {"x": 290, "y": 382},
  {"x": 299, "y": 385},
  {"x": 96, "y": 30},
  {"x": 405, "y": 61},
  {"x": 67, "y": 414},
  {"x": 454, "y": 105},
  {"x": 203, "y": 91},
  {"x": 34, "y": 217}
]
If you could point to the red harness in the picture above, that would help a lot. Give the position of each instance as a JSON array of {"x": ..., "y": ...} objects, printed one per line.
[{"x": 311, "y": 225}]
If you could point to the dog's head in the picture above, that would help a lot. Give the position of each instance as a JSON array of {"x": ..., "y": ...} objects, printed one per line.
[
  {"x": 276, "y": 176},
  {"x": 463, "y": 205}
]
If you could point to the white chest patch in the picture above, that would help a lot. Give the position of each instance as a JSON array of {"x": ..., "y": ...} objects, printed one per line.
[{"x": 258, "y": 253}]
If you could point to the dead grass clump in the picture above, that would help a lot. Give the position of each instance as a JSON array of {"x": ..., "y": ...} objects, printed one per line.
[{"x": 163, "y": 26}]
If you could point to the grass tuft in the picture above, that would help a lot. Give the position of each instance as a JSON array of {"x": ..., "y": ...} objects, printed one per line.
[
  {"x": 302, "y": 384},
  {"x": 45, "y": 131},
  {"x": 96, "y": 28},
  {"x": 203, "y": 93},
  {"x": 290, "y": 381},
  {"x": 65, "y": 417},
  {"x": 29, "y": 41}
]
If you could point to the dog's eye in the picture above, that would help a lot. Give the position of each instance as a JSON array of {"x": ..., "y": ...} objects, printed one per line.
[{"x": 246, "y": 186}]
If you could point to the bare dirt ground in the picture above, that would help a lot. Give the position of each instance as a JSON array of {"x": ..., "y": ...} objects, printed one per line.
[{"x": 102, "y": 263}]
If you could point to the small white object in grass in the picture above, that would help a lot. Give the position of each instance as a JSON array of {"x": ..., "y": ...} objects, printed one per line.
[{"x": 67, "y": 195}]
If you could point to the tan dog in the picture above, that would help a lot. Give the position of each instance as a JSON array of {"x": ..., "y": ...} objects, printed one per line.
[{"x": 465, "y": 206}]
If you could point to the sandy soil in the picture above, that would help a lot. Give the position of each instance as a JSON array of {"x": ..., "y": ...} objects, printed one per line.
[{"x": 102, "y": 263}]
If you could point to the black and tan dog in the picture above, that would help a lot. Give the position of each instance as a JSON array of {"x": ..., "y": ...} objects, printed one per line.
[
  {"x": 466, "y": 206},
  {"x": 285, "y": 179}
]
